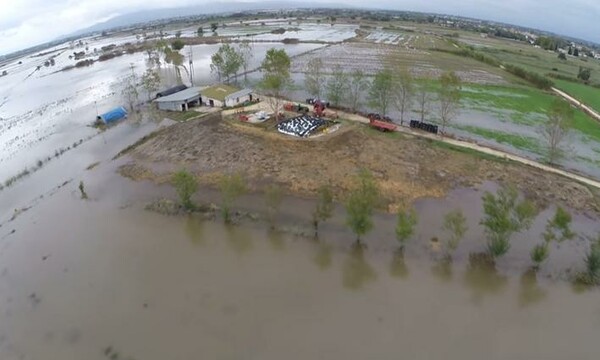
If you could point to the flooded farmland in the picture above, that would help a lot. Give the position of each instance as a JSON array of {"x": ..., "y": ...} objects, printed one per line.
[{"x": 104, "y": 278}]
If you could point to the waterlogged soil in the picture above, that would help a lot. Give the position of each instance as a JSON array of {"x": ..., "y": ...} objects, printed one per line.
[{"x": 405, "y": 168}]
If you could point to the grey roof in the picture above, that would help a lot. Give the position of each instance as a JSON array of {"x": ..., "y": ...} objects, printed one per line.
[
  {"x": 183, "y": 95},
  {"x": 240, "y": 93}
]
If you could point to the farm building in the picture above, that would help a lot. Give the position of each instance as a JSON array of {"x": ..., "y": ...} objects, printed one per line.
[
  {"x": 225, "y": 95},
  {"x": 180, "y": 101},
  {"x": 171, "y": 91}
]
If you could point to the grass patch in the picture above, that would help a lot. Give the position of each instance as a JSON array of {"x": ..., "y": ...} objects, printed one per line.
[
  {"x": 467, "y": 151},
  {"x": 588, "y": 95},
  {"x": 517, "y": 141},
  {"x": 182, "y": 116}
]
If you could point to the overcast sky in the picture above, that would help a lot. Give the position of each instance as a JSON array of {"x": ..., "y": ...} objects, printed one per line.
[{"x": 24, "y": 23}]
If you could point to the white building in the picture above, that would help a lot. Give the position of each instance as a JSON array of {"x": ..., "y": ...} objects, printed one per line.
[
  {"x": 225, "y": 96},
  {"x": 180, "y": 101}
]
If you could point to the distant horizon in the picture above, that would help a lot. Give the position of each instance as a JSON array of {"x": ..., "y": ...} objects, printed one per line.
[{"x": 257, "y": 6}]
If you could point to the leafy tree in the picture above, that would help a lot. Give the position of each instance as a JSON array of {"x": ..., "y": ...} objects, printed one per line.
[
  {"x": 358, "y": 85},
  {"x": 556, "y": 130},
  {"x": 558, "y": 228},
  {"x": 562, "y": 56},
  {"x": 504, "y": 216},
  {"x": 570, "y": 51},
  {"x": 592, "y": 263},
  {"x": 455, "y": 223},
  {"x": 576, "y": 52},
  {"x": 200, "y": 31},
  {"x": 361, "y": 204},
  {"x": 584, "y": 73},
  {"x": 337, "y": 86},
  {"x": 226, "y": 62},
  {"x": 403, "y": 91},
  {"x": 276, "y": 77},
  {"x": 84, "y": 194},
  {"x": 178, "y": 34},
  {"x": 214, "y": 27},
  {"x": 314, "y": 79},
  {"x": 449, "y": 97},
  {"x": 405, "y": 226},
  {"x": 423, "y": 99},
  {"x": 177, "y": 45},
  {"x": 150, "y": 82},
  {"x": 380, "y": 91},
  {"x": 324, "y": 208},
  {"x": 186, "y": 185},
  {"x": 273, "y": 199},
  {"x": 232, "y": 187},
  {"x": 246, "y": 52}
]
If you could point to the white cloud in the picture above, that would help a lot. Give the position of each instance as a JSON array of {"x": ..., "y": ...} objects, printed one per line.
[{"x": 25, "y": 23}]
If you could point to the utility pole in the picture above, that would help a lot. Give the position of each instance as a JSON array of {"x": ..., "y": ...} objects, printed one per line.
[{"x": 191, "y": 66}]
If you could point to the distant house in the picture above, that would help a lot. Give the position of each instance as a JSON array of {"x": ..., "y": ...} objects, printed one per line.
[
  {"x": 170, "y": 91},
  {"x": 180, "y": 101},
  {"x": 225, "y": 95}
]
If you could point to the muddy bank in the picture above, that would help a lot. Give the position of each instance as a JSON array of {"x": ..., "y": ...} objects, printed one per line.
[{"x": 406, "y": 168}]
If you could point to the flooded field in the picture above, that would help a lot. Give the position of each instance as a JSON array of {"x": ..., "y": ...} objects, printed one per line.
[{"x": 89, "y": 279}]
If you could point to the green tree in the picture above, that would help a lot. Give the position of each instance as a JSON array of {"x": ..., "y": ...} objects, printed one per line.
[
  {"x": 592, "y": 264},
  {"x": 178, "y": 34},
  {"x": 276, "y": 77},
  {"x": 403, "y": 91},
  {"x": 314, "y": 79},
  {"x": 405, "y": 226},
  {"x": 449, "y": 98},
  {"x": 380, "y": 91},
  {"x": 576, "y": 52},
  {"x": 214, "y": 27},
  {"x": 562, "y": 56},
  {"x": 361, "y": 204},
  {"x": 324, "y": 208},
  {"x": 232, "y": 187},
  {"x": 273, "y": 199},
  {"x": 186, "y": 186},
  {"x": 226, "y": 62},
  {"x": 150, "y": 82},
  {"x": 505, "y": 215},
  {"x": 177, "y": 45},
  {"x": 584, "y": 73},
  {"x": 84, "y": 194},
  {"x": 556, "y": 130},
  {"x": 337, "y": 86},
  {"x": 200, "y": 31},
  {"x": 455, "y": 224},
  {"x": 558, "y": 228}
]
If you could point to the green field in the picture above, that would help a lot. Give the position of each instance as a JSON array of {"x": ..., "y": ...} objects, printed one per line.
[
  {"x": 520, "y": 142},
  {"x": 586, "y": 94}
]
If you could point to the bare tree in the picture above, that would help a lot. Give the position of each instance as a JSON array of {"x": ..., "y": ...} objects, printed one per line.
[
  {"x": 246, "y": 51},
  {"x": 150, "y": 82},
  {"x": 449, "y": 98},
  {"x": 130, "y": 91},
  {"x": 358, "y": 85},
  {"x": 403, "y": 91},
  {"x": 423, "y": 99},
  {"x": 556, "y": 130},
  {"x": 337, "y": 85},
  {"x": 313, "y": 78}
]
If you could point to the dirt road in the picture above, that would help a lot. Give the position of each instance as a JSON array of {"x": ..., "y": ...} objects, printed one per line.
[{"x": 591, "y": 112}]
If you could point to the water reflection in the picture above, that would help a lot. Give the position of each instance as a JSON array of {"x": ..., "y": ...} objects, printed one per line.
[
  {"x": 443, "y": 270},
  {"x": 194, "y": 227},
  {"x": 238, "y": 239},
  {"x": 323, "y": 255},
  {"x": 530, "y": 291},
  {"x": 398, "y": 268},
  {"x": 276, "y": 240},
  {"x": 356, "y": 270},
  {"x": 482, "y": 277}
]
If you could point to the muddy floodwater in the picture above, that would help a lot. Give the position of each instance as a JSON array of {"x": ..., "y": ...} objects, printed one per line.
[{"x": 90, "y": 279}]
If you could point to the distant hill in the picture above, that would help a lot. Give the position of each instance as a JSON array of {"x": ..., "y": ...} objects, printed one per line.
[{"x": 212, "y": 8}]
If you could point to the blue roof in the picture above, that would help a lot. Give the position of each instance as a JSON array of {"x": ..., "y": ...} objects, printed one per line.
[{"x": 115, "y": 114}]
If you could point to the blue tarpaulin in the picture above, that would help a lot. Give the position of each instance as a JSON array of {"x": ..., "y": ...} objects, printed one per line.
[{"x": 115, "y": 114}]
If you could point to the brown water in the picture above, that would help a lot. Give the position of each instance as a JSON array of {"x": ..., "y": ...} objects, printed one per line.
[{"x": 90, "y": 279}]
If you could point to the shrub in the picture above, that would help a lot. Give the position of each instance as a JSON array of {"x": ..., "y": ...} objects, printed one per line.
[{"x": 185, "y": 185}]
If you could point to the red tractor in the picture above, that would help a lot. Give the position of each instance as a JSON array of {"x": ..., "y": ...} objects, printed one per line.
[{"x": 380, "y": 123}]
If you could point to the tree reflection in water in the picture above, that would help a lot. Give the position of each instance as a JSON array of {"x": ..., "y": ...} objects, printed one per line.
[
  {"x": 482, "y": 277},
  {"x": 530, "y": 291},
  {"x": 356, "y": 270},
  {"x": 398, "y": 268}
]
